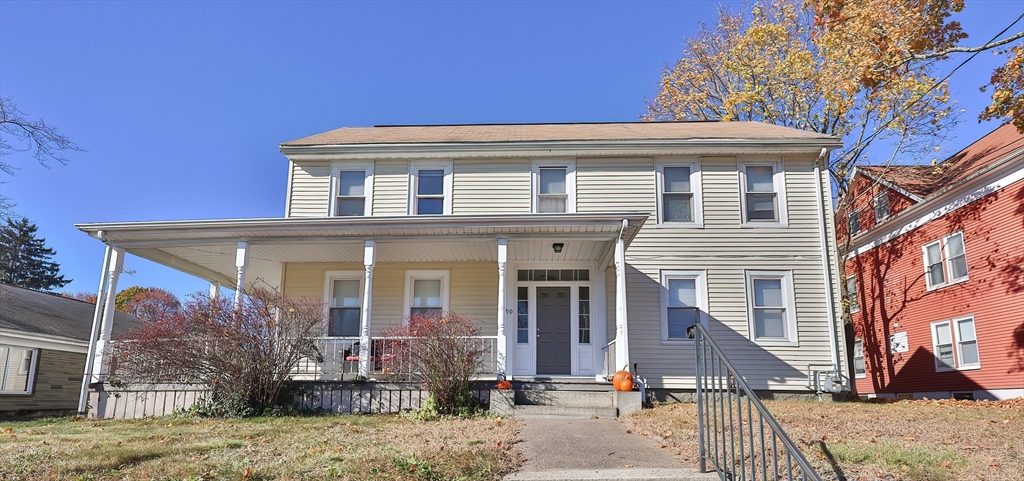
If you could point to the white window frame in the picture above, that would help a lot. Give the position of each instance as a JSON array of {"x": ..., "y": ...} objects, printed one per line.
[
  {"x": 862, "y": 357},
  {"x": 888, "y": 206},
  {"x": 939, "y": 367},
  {"x": 945, "y": 262},
  {"x": 855, "y": 215},
  {"x": 570, "y": 181},
  {"x": 701, "y": 283},
  {"x": 30, "y": 372},
  {"x": 329, "y": 278},
  {"x": 856, "y": 294},
  {"x": 336, "y": 169},
  {"x": 695, "y": 190},
  {"x": 778, "y": 181},
  {"x": 789, "y": 303},
  {"x": 414, "y": 171},
  {"x": 413, "y": 275},
  {"x": 958, "y": 343}
]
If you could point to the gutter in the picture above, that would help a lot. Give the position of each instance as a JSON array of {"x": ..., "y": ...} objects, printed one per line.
[{"x": 826, "y": 266}]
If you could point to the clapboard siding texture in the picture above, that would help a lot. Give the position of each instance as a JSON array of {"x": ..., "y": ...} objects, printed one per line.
[
  {"x": 390, "y": 187},
  {"x": 310, "y": 189},
  {"x": 491, "y": 186}
]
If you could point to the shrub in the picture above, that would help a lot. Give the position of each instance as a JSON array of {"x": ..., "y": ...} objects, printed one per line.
[
  {"x": 442, "y": 352},
  {"x": 244, "y": 355}
]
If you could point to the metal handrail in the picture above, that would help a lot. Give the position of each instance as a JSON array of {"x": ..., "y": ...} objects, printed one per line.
[{"x": 726, "y": 435}]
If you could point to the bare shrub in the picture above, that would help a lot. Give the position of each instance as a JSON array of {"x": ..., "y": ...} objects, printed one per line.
[
  {"x": 441, "y": 351},
  {"x": 245, "y": 356}
]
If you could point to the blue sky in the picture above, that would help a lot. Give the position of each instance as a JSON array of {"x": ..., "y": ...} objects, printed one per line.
[{"x": 181, "y": 105}]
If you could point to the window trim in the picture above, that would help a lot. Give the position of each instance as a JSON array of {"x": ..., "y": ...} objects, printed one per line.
[
  {"x": 695, "y": 189},
  {"x": 570, "y": 182},
  {"x": 944, "y": 262},
  {"x": 856, "y": 292},
  {"x": 414, "y": 171},
  {"x": 329, "y": 278},
  {"x": 30, "y": 374},
  {"x": 863, "y": 358},
  {"x": 939, "y": 367},
  {"x": 700, "y": 276},
  {"x": 853, "y": 216},
  {"x": 414, "y": 275},
  {"x": 778, "y": 181},
  {"x": 888, "y": 207},
  {"x": 789, "y": 302},
  {"x": 336, "y": 168},
  {"x": 958, "y": 343}
]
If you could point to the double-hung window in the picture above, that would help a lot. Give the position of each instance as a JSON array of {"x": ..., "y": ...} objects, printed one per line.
[
  {"x": 426, "y": 293},
  {"x": 851, "y": 294},
  {"x": 858, "y": 358},
  {"x": 945, "y": 261},
  {"x": 554, "y": 187},
  {"x": 881, "y": 206},
  {"x": 430, "y": 189},
  {"x": 679, "y": 202},
  {"x": 683, "y": 303},
  {"x": 344, "y": 303},
  {"x": 352, "y": 187},
  {"x": 17, "y": 369},
  {"x": 763, "y": 197},
  {"x": 955, "y": 344},
  {"x": 854, "y": 223},
  {"x": 771, "y": 307}
]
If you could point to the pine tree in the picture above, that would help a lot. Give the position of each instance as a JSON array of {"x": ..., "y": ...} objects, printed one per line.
[{"x": 25, "y": 259}]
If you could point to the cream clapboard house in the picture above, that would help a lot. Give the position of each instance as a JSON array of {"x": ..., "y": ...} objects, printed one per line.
[{"x": 577, "y": 248}]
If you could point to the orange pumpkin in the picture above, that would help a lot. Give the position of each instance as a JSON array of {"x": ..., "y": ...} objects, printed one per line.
[
  {"x": 623, "y": 381},
  {"x": 503, "y": 384}
]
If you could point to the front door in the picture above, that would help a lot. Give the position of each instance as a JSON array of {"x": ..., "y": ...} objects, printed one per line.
[{"x": 553, "y": 341}]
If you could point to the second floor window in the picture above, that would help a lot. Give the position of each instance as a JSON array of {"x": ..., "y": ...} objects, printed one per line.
[
  {"x": 945, "y": 261},
  {"x": 679, "y": 203},
  {"x": 552, "y": 195},
  {"x": 854, "y": 222},
  {"x": 430, "y": 189},
  {"x": 881, "y": 206},
  {"x": 762, "y": 193},
  {"x": 351, "y": 193}
]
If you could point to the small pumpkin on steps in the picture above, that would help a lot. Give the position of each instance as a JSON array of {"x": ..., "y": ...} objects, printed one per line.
[
  {"x": 623, "y": 381},
  {"x": 504, "y": 384}
]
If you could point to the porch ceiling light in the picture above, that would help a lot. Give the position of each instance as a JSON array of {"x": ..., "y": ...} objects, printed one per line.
[{"x": 557, "y": 247}]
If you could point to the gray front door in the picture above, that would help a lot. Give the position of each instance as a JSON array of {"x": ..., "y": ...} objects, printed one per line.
[{"x": 553, "y": 349}]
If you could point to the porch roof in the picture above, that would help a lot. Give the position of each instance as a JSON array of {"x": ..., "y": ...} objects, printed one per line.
[{"x": 206, "y": 248}]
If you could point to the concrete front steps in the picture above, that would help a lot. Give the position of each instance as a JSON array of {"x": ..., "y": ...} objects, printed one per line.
[
  {"x": 636, "y": 474},
  {"x": 568, "y": 398}
]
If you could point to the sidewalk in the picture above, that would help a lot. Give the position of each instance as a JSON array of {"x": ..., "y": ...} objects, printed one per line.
[{"x": 594, "y": 449}]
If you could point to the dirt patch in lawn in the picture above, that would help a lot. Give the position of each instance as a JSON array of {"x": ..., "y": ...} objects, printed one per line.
[
  {"x": 908, "y": 440},
  {"x": 288, "y": 448}
]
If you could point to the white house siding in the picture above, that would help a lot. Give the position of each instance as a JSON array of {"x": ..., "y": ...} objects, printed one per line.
[
  {"x": 473, "y": 291},
  {"x": 310, "y": 190},
  {"x": 491, "y": 186},
  {"x": 724, "y": 250},
  {"x": 391, "y": 187}
]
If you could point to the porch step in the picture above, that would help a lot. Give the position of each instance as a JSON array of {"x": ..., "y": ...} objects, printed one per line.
[
  {"x": 567, "y": 398},
  {"x": 564, "y": 412},
  {"x": 636, "y": 474}
]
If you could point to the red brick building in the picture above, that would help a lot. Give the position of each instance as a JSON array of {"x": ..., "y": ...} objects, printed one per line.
[{"x": 935, "y": 274}]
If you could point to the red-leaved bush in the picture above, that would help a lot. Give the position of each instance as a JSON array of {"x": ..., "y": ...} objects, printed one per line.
[
  {"x": 440, "y": 351},
  {"x": 245, "y": 356}
]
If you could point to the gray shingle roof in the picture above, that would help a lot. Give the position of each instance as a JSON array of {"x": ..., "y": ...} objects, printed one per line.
[{"x": 52, "y": 315}]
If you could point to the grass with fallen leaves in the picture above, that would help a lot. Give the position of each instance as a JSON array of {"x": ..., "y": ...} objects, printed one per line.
[
  {"x": 938, "y": 440},
  {"x": 287, "y": 448}
]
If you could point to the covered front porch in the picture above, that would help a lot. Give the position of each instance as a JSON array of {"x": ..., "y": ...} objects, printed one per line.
[{"x": 546, "y": 291}]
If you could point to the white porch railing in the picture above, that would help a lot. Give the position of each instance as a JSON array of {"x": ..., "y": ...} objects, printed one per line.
[
  {"x": 340, "y": 361},
  {"x": 609, "y": 359},
  {"x": 389, "y": 357}
]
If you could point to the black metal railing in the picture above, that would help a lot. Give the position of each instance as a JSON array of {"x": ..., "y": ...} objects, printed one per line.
[{"x": 737, "y": 435}]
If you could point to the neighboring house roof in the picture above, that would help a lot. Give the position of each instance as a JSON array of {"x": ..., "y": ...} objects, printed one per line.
[
  {"x": 415, "y": 134},
  {"x": 925, "y": 180},
  {"x": 52, "y": 315}
]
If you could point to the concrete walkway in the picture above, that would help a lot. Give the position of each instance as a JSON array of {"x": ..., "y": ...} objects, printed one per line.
[{"x": 594, "y": 449}]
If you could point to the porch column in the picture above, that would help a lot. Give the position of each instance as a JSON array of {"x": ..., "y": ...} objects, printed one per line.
[
  {"x": 214, "y": 290},
  {"x": 241, "y": 263},
  {"x": 369, "y": 260},
  {"x": 621, "y": 332},
  {"x": 502, "y": 341},
  {"x": 114, "y": 268},
  {"x": 97, "y": 317}
]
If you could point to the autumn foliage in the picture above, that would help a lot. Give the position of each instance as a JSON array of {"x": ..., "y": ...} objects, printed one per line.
[{"x": 244, "y": 355}]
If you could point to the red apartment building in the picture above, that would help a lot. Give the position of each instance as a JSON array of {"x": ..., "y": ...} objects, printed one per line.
[{"x": 935, "y": 274}]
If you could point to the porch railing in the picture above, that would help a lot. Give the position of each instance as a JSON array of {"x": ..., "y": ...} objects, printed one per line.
[
  {"x": 390, "y": 357},
  {"x": 609, "y": 359},
  {"x": 737, "y": 435},
  {"x": 339, "y": 361}
]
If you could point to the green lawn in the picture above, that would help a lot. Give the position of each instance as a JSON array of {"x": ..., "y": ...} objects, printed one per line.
[
  {"x": 907, "y": 441},
  {"x": 314, "y": 447}
]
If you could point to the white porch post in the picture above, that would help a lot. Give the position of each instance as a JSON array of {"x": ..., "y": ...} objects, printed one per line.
[
  {"x": 97, "y": 318},
  {"x": 369, "y": 260},
  {"x": 502, "y": 341},
  {"x": 241, "y": 263},
  {"x": 621, "y": 332},
  {"x": 114, "y": 268},
  {"x": 214, "y": 290}
]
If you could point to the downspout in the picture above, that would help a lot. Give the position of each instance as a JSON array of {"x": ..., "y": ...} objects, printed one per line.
[
  {"x": 97, "y": 317},
  {"x": 826, "y": 266}
]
